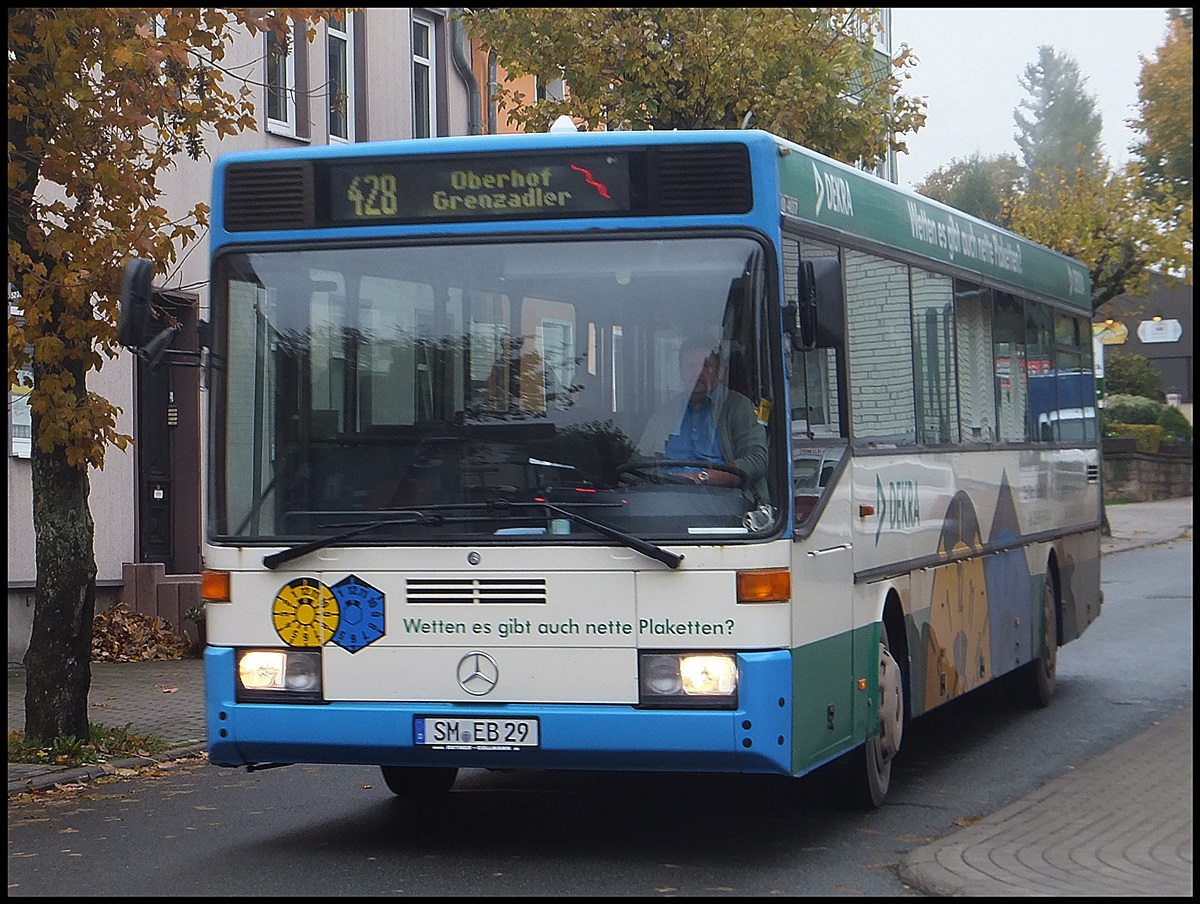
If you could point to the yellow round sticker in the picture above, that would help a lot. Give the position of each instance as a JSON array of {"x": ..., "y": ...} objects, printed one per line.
[{"x": 305, "y": 613}]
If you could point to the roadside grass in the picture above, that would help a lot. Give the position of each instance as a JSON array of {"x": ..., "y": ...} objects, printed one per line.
[{"x": 102, "y": 745}]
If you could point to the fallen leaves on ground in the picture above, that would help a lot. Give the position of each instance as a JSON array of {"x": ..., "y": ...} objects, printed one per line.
[{"x": 121, "y": 635}]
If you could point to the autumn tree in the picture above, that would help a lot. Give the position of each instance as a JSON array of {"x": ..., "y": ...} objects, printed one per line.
[
  {"x": 1104, "y": 219},
  {"x": 1075, "y": 202},
  {"x": 810, "y": 75},
  {"x": 100, "y": 102},
  {"x": 984, "y": 187},
  {"x": 1165, "y": 98},
  {"x": 1062, "y": 131}
]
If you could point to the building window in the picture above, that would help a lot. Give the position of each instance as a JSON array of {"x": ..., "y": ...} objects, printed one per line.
[
  {"x": 422, "y": 78},
  {"x": 281, "y": 85},
  {"x": 341, "y": 77},
  {"x": 549, "y": 90},
  {"x": 20, "y": 425}
]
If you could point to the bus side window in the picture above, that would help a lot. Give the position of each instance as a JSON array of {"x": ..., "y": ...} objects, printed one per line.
[{"x": 976, "y": 386}]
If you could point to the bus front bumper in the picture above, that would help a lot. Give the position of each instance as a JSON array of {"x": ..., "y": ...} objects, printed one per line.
[{"x": 754, "y": 738}]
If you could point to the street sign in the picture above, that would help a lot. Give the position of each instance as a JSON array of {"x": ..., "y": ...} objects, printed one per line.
[{"x": 1160, "y": 331}]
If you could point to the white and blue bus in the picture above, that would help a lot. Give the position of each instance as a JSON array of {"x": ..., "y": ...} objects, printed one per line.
[{"x": 437, "y": 536}]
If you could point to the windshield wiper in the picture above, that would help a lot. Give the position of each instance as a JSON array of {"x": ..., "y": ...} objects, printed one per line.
[
  {"x": 637, "y": 544},
  {"x": 670, "y": 559},
  {"x": 275, "y": 559}
]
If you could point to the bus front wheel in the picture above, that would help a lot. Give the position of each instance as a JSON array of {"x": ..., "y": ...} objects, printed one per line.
[
  {"x": 416, "y": 782},
  {"x": 870, "y": 766}
]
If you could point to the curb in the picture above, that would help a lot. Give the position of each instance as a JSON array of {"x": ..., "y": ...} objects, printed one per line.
[
  {"x": 74, "y": 775},
  {"x": 1129, "y": 544}
]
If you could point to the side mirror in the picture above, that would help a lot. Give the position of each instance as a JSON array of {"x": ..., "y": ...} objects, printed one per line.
[
  {"x": 815, "y": 319},
  {"x": 806, "y": 309},
  {"x": 137, "y": 293}
]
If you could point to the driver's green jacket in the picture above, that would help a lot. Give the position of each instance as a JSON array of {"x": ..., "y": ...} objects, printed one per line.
[{"x": 743, "y": 439}]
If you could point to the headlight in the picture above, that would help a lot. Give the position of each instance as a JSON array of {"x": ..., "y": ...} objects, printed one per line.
[
  {"x": 279, "y": 675},
  {"x": 698, "y": 680}
]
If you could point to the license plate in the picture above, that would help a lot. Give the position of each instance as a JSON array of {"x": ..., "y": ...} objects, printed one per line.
[{"x": 467, "y": 733}]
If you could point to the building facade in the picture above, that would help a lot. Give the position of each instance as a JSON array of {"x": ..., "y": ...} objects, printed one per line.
[
  {"x": 1159, "y": 327},
  {"x": 369, "y": 75}
]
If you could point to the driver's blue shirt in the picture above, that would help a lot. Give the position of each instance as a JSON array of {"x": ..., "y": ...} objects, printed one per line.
[{"x": 697, "y": 436}]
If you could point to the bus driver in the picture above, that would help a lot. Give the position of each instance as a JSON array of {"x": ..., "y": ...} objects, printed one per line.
[{"x": 709, "y": 423}]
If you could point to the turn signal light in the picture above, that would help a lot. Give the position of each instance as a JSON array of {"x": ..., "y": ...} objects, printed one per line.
[
  {"x": 214, "y": 586},
  {"x": 770, "y": 585}
]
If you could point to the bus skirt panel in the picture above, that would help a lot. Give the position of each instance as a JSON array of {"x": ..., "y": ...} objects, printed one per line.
[{"x": 754, "y": 738}]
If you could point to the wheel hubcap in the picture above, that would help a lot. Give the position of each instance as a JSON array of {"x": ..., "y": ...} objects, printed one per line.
[
  {"x": 891, "y": 705},
  {"x": 1050, "y": 657}
]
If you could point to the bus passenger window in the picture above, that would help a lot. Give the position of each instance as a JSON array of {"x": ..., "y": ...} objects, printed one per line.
[
  {"x": 933, "y": 357},
  {"x": 973, "y": 336}
]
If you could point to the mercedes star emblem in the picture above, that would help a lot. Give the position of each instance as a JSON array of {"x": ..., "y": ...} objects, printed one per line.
[{"x": 478, "y": 673}]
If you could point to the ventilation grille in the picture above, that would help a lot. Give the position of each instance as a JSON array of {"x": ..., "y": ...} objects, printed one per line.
[
  {"x": 269, "y": 196},
  {"x": 704, "y": 179},
  {"x": 482, "y": 590},
  {"x": 1093, "y": 473}
]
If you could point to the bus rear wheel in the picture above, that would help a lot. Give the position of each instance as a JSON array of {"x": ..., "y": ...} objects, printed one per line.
[
  {"x": 417, "y": 782},
  {"x": 1033, "y": 683},
  {"x": 870, "y": 766}
]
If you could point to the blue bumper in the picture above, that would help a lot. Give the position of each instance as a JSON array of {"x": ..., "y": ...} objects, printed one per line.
[{"x": 756, "y": 737}]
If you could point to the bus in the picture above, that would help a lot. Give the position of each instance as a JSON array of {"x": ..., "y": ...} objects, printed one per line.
[{"x": 436, "y": 537}]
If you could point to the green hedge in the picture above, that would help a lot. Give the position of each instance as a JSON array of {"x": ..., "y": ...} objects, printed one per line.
[
  {"x": 1173, "y": 421},
  {"x": 1149, "y": 436},
  {"x": 1131, "y": 409}
]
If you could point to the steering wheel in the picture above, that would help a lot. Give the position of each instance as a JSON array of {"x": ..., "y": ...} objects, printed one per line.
[{"x": 658, "y": 470}]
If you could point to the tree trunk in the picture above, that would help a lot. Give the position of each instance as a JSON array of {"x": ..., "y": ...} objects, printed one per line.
[{"x": 58, "y": 665}]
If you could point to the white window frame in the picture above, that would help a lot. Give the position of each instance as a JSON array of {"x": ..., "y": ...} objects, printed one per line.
[
  {"x": 345, "y": 36},
  {"x": 279, "y": 126},
  {"x": 429, "y": 64},
  {"x": 19, "y": 446},
  {"x": 20, "y": 423}
]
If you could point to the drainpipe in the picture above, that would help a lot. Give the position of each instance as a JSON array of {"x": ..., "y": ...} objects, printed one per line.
[
  {"x": 491, "y": 83},
  {"x": 463, "y": 65}
]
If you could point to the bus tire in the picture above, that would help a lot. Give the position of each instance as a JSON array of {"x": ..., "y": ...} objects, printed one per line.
[
  {"x": 417, "y": 782},
  {"x": 870, "y": 765},
  {"x": 1033, "y": 683}
]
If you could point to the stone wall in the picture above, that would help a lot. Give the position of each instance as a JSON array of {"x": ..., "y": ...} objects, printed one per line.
[{"x": 1144, "y": 477}]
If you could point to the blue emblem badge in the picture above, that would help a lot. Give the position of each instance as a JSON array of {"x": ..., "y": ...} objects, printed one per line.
[{"x": 362, "y": 613}]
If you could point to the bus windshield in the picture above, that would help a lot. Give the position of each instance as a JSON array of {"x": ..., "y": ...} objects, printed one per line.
[{"x": 451, "y": 389}]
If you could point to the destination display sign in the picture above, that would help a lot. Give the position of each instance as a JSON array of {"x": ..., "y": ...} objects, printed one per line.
[{"x": 408, "y": 189}]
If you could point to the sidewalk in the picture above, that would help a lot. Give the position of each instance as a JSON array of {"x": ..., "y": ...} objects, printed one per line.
[
  {"x": 1119, "y": 824},
  {"x": 1056, "y": 840},
  {"x": 158, "y": 699}
]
